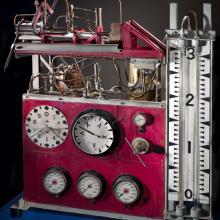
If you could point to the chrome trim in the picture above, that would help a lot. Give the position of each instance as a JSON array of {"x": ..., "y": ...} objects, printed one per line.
[{"x": 114, "y": 102}]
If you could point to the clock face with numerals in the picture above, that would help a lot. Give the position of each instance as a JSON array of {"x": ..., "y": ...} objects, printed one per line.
[
  {"x": 46, "y": 126},
  {"x": 95, "y": 132}
]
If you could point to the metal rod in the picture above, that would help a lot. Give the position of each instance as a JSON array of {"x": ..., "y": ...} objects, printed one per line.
[
  {"x": 173, "y": 15},
  {"x": 120, "y": 11},
  {"x": 130, "y": 145},
  {"x": 98, "y": 16}
]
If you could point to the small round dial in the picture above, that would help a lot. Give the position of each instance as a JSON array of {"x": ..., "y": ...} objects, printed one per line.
[
  {"x": 90, "y": 185},
  {"x": 140, "y": 120},
  {"x": 46, "y": 126},
  {"x": 56, "y": 181},
  {"x": 95, "y": 132},
  {"x": 127, "y": 189}
]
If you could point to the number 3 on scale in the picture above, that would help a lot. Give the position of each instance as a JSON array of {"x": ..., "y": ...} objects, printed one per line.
[{"x": 190, "y": 53}]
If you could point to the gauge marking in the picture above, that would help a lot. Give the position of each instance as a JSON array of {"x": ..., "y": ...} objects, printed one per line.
[
  {"x": 43, "y": 129},
  {"x": 90, "y": 185},
  {"x": 127, "y": 189},
  {"x": 56, "y": 181},
  {"x": 94, "y": 128}
]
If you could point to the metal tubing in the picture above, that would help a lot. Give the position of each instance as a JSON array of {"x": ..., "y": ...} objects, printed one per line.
[
  {"x": 98, "y": 12},
  {"x": 182, "y": 124},
  {"x": 173, "y": 15},
  {"x": 196, "y": 125},
  {"x": 120, "y": 11}
]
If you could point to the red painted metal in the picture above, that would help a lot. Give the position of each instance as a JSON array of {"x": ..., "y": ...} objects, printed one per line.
[
  {"x": 131, "y": 33},
  {"x": 124, "y": 54},
  {"x": 117, "y": 162}
]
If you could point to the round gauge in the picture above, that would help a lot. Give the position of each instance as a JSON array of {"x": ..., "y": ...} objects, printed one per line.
[
  {"x": 90, "y": 185},
  {"x": 140, "y": 119},
  {"x": 46, "y": 126},
  {"x": 56, "y": 181},
  {"x": 95, "y": 132},
  {"x": 127, "y": 189}
]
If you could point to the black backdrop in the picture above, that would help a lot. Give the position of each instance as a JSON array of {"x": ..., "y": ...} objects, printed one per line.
[{"x": 152, "y": 14}]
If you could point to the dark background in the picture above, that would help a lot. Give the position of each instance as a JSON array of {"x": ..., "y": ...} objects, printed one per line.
[{"x": 151, "y": 14}]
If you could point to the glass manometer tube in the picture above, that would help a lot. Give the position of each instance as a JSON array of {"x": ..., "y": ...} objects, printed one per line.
[
  {"x": 182, "y": 111},
  {"x": 195, "y": 43}
]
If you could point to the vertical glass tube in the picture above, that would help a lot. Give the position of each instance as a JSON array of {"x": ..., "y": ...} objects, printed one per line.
[
  {"x": 195, "y": 43},
  {"x": 182, "y": 95}
]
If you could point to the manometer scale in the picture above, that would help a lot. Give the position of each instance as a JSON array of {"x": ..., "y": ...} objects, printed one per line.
[{"x": 189, "y": 120}]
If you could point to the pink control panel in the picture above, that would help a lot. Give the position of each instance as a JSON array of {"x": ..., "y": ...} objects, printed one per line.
[{"x": 98, "y": 157}]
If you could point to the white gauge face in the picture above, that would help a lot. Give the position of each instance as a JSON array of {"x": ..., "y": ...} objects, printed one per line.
[
  {"x": 46, "y": 126},
  {"x": 140, "y": 120},
  {"x": 55, "y": 182},
  {"x": 126, "y": 191},
  {"x": 90, "y": 186},
  {"x": 93, "y": 134}
]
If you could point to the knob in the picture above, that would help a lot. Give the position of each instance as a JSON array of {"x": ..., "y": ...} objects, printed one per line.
[{"x": 140, "y": 146}]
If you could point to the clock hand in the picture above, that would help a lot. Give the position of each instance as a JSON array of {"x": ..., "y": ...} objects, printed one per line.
[
  {"x": 52, "y": 129},
  {"x": 39, "y": 131},
  {"x": 58, "y": 129},
  {"x": 90, "y": 132}
]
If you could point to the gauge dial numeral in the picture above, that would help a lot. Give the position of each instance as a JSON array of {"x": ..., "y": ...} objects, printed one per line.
[
  {"x": 127, "y": 189},
  {"x": 46, "y": 126},
  {"x": 95, "y": 132}
]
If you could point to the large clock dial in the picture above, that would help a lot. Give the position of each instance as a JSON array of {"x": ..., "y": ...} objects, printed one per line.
[
  {"x": 46, "y": 126},
  {"x": 95, "y": 132}
]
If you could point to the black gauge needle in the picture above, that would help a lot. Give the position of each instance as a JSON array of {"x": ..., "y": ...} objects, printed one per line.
[
  {"x": 121, "y": 194},
  {"x": 88, "y": 187},
  {"x": 90, "y": 132}
]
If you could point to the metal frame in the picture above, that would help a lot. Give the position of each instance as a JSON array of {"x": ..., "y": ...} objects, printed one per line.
[
  {"x": 95, "y": 101},
  {"x": 207, "y": 36},
  {"x": 24, "y": 205}
]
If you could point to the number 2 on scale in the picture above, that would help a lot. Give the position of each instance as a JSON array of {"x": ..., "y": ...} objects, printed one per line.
[{"x": 190, "y": 98}]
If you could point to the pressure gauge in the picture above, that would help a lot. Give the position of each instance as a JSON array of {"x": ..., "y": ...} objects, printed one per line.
[
  {"x": 140, "y": 120},
  {"x": 46, "y": 126},
  {"x": 91, "y": 185},
  {"x": 127, "y": 189},
  {"x": 56, "y": 181},
  {"x": 95, "y": 132}
]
